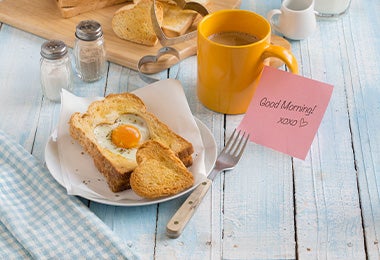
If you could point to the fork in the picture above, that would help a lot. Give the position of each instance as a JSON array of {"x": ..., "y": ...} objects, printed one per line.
[{"x": 227, "y": 160}]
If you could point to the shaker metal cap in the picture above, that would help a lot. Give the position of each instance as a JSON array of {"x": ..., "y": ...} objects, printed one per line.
[
  {"x": 88, "y": 30},
  {"x": 53, "y": 49}
]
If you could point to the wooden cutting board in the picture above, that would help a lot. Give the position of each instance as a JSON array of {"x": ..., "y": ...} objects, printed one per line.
[{"x": 43, "y": 18}]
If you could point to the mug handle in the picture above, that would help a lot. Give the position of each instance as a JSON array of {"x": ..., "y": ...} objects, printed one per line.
[
  {"x": 270, "y": 15},
  {"x": 283, "y": 54}
]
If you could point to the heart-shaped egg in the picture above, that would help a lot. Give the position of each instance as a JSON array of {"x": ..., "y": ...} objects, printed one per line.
[{"x": 124, "y": 136}]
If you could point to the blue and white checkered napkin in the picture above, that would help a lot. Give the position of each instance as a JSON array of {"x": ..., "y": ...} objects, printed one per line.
[{"x": 39, "y": 220}]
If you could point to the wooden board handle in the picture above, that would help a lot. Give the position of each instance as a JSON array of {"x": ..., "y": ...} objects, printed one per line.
[{"x": 180, "y": 219}]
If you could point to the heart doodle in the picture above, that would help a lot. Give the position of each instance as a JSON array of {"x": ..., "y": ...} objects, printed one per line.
[{"x": 303, "y": 122}]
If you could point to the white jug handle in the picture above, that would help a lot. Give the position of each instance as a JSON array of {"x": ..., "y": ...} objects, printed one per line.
[{"x": 270, "y": 15}]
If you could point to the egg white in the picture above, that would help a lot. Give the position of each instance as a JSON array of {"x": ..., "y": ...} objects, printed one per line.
[{"x": 103, "y": 133}]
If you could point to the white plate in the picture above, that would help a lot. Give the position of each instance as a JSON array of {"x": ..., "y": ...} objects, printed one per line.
[{"x": 53, "y": 164}]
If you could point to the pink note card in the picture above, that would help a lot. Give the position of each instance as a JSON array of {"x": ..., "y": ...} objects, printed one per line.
[{"x": 286, "y": 111}]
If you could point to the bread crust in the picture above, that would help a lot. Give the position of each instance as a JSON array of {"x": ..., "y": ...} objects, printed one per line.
[{"x": 116, "y": 168}]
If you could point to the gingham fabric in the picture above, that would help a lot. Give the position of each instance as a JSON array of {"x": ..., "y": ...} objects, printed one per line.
[{"x": 38, "y": 220}]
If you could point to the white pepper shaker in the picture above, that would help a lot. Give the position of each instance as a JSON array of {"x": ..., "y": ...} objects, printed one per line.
[
  {"x": 55, "y": 69},
  {"x": 89, "y": 51}
]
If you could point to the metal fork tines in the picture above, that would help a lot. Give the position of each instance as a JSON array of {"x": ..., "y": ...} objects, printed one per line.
[
  {"x": 231, "y": 153},
  {"x": 227, "y": 160}
]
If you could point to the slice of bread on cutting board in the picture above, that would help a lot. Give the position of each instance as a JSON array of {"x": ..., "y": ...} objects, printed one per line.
[
  {"x": 100, "y": 131},
  {"x": 176, "y": 20},
  {"x": 70, "y": 8},
  {"x": 159, "y": 172},
  {"x": 133, "y": 22}
]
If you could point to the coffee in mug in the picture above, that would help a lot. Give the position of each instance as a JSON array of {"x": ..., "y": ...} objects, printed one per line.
[
  {"x": 232, "y": 47},
  {"x": 234, "y": 38}
]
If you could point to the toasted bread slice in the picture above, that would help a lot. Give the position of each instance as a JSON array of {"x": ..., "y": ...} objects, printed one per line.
[
  {"x": 176, "y": 20},
  {"x": 70, "y": 8},
  {"x": 159, "y": 172},
  {"x": 133, "y": 22},
  {"x": 112, "y": 164}
]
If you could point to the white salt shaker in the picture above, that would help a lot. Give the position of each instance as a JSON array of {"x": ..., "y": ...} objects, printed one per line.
[
  {"x": 55, "y": 69},
  {"x": 89, "y": 51},
  {"x": 331, "y": 8}
]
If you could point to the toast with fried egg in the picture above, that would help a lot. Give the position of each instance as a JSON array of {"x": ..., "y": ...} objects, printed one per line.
[{"x": 112, "y": 130}]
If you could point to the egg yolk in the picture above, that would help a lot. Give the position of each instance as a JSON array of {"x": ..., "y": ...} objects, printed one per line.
[{"x": 125, "y": 136}]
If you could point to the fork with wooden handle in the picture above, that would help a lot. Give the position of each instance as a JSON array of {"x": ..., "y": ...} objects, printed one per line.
[{"x": 227, "y": 160}]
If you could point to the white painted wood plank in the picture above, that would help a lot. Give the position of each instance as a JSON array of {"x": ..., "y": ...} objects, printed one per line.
[
  {"x": 258, "y": 204},
  {"x": 328, "y": 217},
  {"x": 258, "y": 207},
  {"x": 20, "y": 96},
  {"x": 361, "y": 34},
  {"x": 258, "y": 195},
  {"x": 135, "y": 225},
  {"x": 201, "y": 238}
]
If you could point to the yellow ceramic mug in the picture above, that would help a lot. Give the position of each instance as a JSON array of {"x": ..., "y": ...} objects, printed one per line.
[{"x": 232, "y": 46}]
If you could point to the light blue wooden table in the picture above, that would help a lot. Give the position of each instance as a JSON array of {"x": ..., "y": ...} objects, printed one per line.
[{"x": 271, "y": 206}]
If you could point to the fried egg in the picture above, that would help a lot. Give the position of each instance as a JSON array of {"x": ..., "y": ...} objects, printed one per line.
[{"x": 124, "y": 136}]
